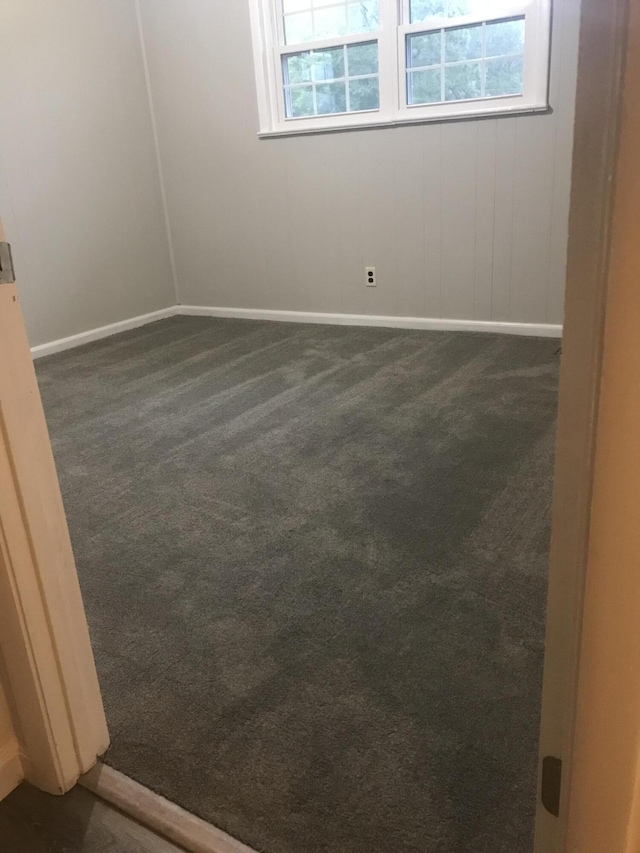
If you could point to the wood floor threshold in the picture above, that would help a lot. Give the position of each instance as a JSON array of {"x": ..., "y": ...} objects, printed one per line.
[{"x": 158, "y": 814}]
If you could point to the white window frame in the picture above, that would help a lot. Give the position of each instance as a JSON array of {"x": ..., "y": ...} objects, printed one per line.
[{"x": 267, "y": 25}]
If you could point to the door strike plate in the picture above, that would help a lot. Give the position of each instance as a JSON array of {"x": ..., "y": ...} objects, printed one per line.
[{"x": 7, "y": 275}]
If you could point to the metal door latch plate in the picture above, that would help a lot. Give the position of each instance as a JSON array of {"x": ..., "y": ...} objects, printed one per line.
[
  {"x": 7, "y": 275},
  {"x": 551, "y": 784}
]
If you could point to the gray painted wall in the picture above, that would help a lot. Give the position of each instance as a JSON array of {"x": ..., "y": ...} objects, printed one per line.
[
  {"x": 79, "y": 189},
  {"x": 463, "y": 220}
]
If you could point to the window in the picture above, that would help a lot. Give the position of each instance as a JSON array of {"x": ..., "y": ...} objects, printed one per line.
[{"x": 330, "y": 64}]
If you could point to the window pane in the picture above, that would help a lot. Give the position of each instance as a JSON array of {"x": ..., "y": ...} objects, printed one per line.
[
  {"x": 322, "y": 69},
  {"x": 363, "y": 58},
  {"x": 331, "y": 98},
  {"x": 505, "y": 37},
  {"x": 297, "y": 67},
  {"x": 363, "y": 17},
  {"x": 458, "y": 7},
  {"x": 481, "y": 60},
  {"x": 503, "y": 77},
  {"x": 328, "y": 64},
  {"x": 296, "y": 6},
  {"x": 462, "y": 81},
  {"x": 424, "y": 49},
  {"x": 463, "y": 43},
  {"x": 364, "y": 94},
  {"x": 298, "y": 28},
  {"x": 330, "y": 22},
  {"x": 300, "y": 101},
  {"x": 424, "y": 87},
  {"x": 475, "y": 7},
  {"x": 310, "y": 20},
  {"x": 420, "y": 10}
]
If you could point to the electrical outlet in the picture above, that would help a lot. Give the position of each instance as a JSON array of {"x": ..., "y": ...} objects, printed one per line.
[{"x": 370, "y": 276}]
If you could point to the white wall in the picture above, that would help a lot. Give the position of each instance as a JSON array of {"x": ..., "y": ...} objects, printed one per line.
[
  {"x": 79, "y": 189},
  {"x": 462, "y": 220}
]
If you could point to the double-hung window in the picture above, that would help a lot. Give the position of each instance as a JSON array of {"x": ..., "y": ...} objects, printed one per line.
[{"x": 330, "y": 64}]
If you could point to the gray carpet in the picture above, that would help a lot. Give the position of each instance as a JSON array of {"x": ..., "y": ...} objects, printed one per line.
[{"x": 314, "y": 564}]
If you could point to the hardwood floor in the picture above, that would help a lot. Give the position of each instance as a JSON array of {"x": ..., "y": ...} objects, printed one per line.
[{"x": 79, "y": 822}]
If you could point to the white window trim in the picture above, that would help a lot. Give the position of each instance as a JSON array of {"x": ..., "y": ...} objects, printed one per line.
[{"x": 268, "y": 44}]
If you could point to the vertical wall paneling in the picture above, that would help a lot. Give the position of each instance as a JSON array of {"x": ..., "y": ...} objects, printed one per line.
[
  {"x": 432, "y": 194},
  {"x": 458, "y": 211},
  {"x": 533, "y": 193},
  {"x": 485, "y": 213},
  {"x": 463, "y": 220},
  {"x": 285, "y": 230},
  {"x": 503, "y": 220},
  {"x": 377, "y": 194},
  {"x": 312, "y": 228},
  {"x": 409, "y": 220},
  {"x": 349, "y": 252}
]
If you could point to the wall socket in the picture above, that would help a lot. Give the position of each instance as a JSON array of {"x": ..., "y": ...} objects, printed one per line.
[{"x": 370, "y": 276}]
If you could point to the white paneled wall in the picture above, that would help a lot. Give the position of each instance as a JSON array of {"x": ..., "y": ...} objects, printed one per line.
[{"x": 464, "y": 220}]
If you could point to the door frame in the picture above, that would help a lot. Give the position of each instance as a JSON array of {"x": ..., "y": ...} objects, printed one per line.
[{"x": 47, "y": 667}]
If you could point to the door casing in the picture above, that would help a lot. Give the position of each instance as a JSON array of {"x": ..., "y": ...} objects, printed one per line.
[{"x": 48, "y": 671}]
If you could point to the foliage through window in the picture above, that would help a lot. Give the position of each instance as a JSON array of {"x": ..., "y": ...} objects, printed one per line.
[{"x": 323, "y": 64}]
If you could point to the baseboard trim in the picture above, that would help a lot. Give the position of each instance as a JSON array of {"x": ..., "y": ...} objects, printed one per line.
[
  {"x": 102, "y": 332},
  {"x": 528, "y": 329},
  {"x": 11, "y": 771},
  {"x": 539, "y": 330},
  {"x": 158, "y": 814}
]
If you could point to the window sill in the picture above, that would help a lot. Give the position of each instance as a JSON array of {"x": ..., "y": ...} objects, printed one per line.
[{"x": 500, "y": 112}]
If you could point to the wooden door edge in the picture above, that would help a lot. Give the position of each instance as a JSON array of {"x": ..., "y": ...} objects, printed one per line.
[{"x": 603, "y": 31}]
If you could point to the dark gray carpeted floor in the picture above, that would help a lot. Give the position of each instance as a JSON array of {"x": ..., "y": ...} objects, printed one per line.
[{"x": 314, "y": 564}]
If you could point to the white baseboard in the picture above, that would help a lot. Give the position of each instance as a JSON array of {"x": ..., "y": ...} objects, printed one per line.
[
  {"x": 530, "y": 329},
  {"x": 102, "y": 332},
  {"x": 541, "y": 330}
]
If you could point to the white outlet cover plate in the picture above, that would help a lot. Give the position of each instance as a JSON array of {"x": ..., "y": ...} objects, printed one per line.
[{"x": 370, "y": 272}]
